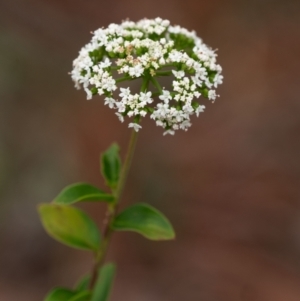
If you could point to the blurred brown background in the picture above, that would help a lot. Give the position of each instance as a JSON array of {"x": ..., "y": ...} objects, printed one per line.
[{"x": 230, "y": 185}]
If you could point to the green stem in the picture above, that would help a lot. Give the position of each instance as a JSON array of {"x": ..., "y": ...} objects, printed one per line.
[
  {"x": 145, "y": 84},
  {"x": 113, "y": 208},
  {"x": 126, "y": 166},
  {"x": 121, "y": 79},
  {"x": 155, "y": 94},
  {"x": 164, "y": 73},
  {"x": 156, "y": 84},
  {"x": 168, "y": 65}
]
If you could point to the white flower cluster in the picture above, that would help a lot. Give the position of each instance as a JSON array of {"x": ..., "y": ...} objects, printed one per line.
[{"x": 149, "y": 50}]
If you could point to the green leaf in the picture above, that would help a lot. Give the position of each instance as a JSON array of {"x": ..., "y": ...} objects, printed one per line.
[
  {"x": 82, "y": 296},
  {"x": 83, "y": 283},
  {"x": 146, "y": 220},
  {"x": 82, "y": 192},
  {"x": 60, "y": 294},
  {"x": 70, "y": 226},
  {"x": 111, "y": 165},
  {"x": 104, "y": 283}
]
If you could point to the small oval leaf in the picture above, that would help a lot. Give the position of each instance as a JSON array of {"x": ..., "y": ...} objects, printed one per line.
[
  {"x": 146, "y": 220},
  {"x": 111, "y": 165},
  {"x": 81, "y": 296},
  {"x": 60, "y": 294},
  {"x": 80, "y": 192},
  {"x": 70, "y": 226},
  {"x": 104, "y": 283}
]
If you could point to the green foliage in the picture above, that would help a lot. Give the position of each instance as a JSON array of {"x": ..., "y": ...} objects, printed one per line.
[
  {"x": 64, "y": 294},
  {"x": 60, "y": 294},
  {"x": 82, "y": 296},
  {"x": 70, "y": 226},
  {"x": 146, "y": 220},
  {"x": 111, "y": 165},
  {"x": 104, "y": 283},
  {"x": 83, "y": 283},
  {"x": 204, "y": 91},
  {"x": 97, "y": 54},
  {"x": 73, "y": 227},
  {"x": 82, "y": 192},
  {"x": 181, "y": 41}
]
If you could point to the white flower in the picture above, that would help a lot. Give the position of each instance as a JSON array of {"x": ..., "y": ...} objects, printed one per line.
[
  {"x": 175, "y": 56},
  {"x": 163, "y": 41},
  {"x": 185, "y": 125},
  {"x": 120, "y": 116},
  {"x": 188, "y": 109},
  {"x": 100, "y": 91},
  {"x": 146, "y": 97},
  {"x": 199, "y": 110},
  {"x": 162, "y": 109},
  {"x": 143, "y": 113},
  {"x": 197, "y": 81},
  {"x": 143, "y": 49},
  {"x": 177, "y": 97},
  {"x": 110, "y": 102},
  {"x": 88, "y": 94},
  {"x": 170, "y": 132},
  {"x": 121, "y": 107},
  {"x": 197, "y": 94},
  {"x": 125, "y": 93},
  {"x": 166, "y": 96},
  {"x": 190, "y": 62},
  {"x": 135, "y": 126},
  {"x": 218, "y": 80},
  {"x": 105, "y": 64},
  {"x": 208, "y": 84},
  {"x": 109, "y": 84},
  {"x": 212, "y": 95},
  {"x": 136, "y": 71},
  {"x": 178, "y": 74},
  {"x": 200, "y": 72}
]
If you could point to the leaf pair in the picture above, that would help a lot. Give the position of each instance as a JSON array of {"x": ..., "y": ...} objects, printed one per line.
[
  {"x": 72, "y": 226},
  {"x": 81, "y": 192},
  {"x": 75, "y": 228}
]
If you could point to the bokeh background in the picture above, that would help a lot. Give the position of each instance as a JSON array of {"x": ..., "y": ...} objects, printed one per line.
[{"x": 230, "y": 185}]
